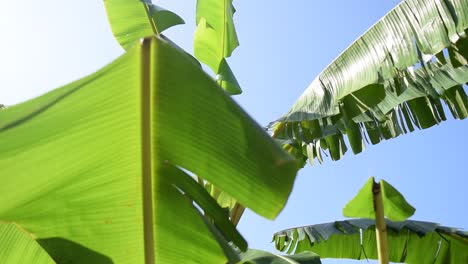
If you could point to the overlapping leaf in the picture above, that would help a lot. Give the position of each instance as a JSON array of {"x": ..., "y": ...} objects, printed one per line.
[
  {"x": 97, "y": 170},
  {"x": 132, "y": 20},
  {"x": 390, "y": 81},
  {"x": 17, "y": 246},
  {"x": 215, "y": 40},
  {"x": 355, "y": 239}
]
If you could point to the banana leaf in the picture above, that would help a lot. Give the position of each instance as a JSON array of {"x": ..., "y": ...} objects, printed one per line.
[
  {"x": 215, "y": 40},
  {"x": 390, "y": 81},
  {"x": 409, "y": 241},
  {"x": 396, "y": 208},
  {"x": 131, "y": 20},
  {"x": 18, "y": 246},
  {"x": 101, "y": 170}
]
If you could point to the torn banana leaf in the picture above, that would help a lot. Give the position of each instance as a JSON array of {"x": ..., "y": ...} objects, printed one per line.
[
  {"x": 390, "y": 81},
  {"x": 413, "y": 242}
]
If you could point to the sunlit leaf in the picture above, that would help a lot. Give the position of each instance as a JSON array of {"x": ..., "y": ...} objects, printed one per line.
[
  {"x": 215, "y": 40},
  {"x": 101, "y": 166},
  {"x": 396, "y": 208},
  {"x": 413, "y": 242},
  {"x": 132, "y": 20},
  {"x": 17, "y": 246},
  {"x": 406, "y": 65}
]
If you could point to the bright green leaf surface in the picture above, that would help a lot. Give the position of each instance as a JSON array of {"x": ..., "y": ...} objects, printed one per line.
[
  {"x": 395, "y": 205},
  {"x": 97, "y": 165},
  {"x": 343, "y": 239},
  {"x": 219, "y": 16},
  {"x": 398, "y": 68},
  {"x": 396, "y": 208},
  {"x": 132, "y": 20},
  {"x": 362, "y": 205},
  {"x": 215, "y": 40},
  {"x": 17, "y": 246}
]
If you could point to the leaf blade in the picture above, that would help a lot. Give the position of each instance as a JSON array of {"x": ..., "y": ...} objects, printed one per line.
[
  {"x": 403, "y": 54},
  {"x": 135, "y": 19}
]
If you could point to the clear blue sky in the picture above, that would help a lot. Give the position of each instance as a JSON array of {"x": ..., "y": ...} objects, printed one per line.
[{"x": 284, "y": 45}]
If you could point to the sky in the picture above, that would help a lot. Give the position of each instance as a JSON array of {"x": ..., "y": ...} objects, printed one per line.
[{"x": 283, "y": 47}]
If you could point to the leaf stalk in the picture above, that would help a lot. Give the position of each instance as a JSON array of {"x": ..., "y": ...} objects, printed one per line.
[{"x": 380, "y": 226}]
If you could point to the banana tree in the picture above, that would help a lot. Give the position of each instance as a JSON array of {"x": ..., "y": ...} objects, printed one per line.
[
  {"x": 390, "y": 81},
  {"x": 103, "y": 170},
  {"x": 375, "y": 237}
]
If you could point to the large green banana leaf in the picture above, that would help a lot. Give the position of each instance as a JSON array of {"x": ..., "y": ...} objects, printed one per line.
[
  {"x": 98, "y": 171},
  {"x": 409, "y": 241},
  {"x": 131, "y": 20},
  {"x": 390, "y": 81},
  {"x": 215, "y": 40}
]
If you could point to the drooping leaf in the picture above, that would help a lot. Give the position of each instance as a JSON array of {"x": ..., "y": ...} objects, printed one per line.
[
  {"x": 409, "y": 62},
  {"x": 101, "y": 163},
  {"x": 254, "y": 256},
  {"x": 132, "y": 20},
  {"x": 413, "y": 242},
  {"x": 215, "y": 40},
  {"x": 17, "y": 246},
  {"x": 396, "y": 208},
  {"x": 395, "y": 205}
]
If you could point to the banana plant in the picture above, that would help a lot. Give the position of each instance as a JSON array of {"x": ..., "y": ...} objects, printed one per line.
[
  {"x": 390, "y": 81},
  {"x": 410, "y": 241},
  {"x": 376, "y": 200},
  {"x": 103, "y": 170},
  {"x": 373, "y": 236}
]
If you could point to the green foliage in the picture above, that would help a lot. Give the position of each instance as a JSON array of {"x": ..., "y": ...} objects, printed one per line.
[
  {"x": 215, "y": 40},
  {"x": 413, "y": 242},
  {"x": 132, "y": 20},
  {"x": 395, "y": 205},
  {"x": 390, "y": 81},
  {"x": 101, "y": 164},
  {"x": 103, "y": 170}
]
